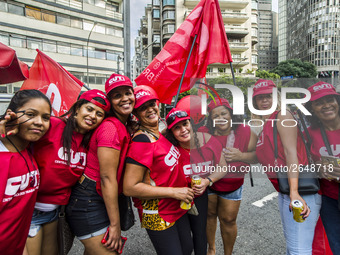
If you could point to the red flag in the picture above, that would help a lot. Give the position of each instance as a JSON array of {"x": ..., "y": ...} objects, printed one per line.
[
  {"x": 60, "y": 86},
  {"x": 165, "y": 71}
]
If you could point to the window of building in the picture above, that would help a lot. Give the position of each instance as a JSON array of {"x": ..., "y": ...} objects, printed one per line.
[
  {"x": 87, "y": 25},
  {"x": 112, "y": 6},
  {"x": 254, "y": 59},
  {"x": 221, "y": 70},
  {"x": 76, "y": 50},
  {"x": 33, "y": 43},
  {"x": 4, "y": 39},
  {"x": 16, "y": 9},
  {"x": 99, "y": 29},
  {"x": 63, "y": 19},
  {"x": 17, "y": 41},
  {"x": 32, "y": 12},
  {"x": 111, "y": 55},
  {"x": 49, "y": 46},
  {"x": 77, "y": 23},
  {"x": 155, "y": 2},
  {"x": 169, "y": 15},
  {"x": 119, "y": 32},
  {"x": 155, "y": 13},
  {"x": 48, "y": 16},
  {"x": 170, "y": 28},
  {"x": 100, "y": 54},
  {"x": 168, "y": 2},
  {"x": 157, "y": 38},
  {"x": 64, "y": 48},
  {"x": 3, "y": 6}
]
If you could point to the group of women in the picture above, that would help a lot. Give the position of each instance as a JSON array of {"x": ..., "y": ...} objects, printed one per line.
[{"x": 111, "y": 143}]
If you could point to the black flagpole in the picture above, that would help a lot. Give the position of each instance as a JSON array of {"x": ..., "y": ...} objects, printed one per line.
[{"x": 185, "y": 68}]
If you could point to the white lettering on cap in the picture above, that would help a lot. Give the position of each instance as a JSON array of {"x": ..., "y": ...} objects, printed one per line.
[
  {"x": 261, "y": 84},
  {"x": 115, "y": 79},
  {"x": 142, "y": 94},
  {"x": 322, "y": 86}
]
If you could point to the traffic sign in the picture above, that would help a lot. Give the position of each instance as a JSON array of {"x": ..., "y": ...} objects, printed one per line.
[{"x": 287, "y": 77}]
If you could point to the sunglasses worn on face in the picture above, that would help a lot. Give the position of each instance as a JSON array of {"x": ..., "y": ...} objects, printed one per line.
[{"x": 173, "y": 116}]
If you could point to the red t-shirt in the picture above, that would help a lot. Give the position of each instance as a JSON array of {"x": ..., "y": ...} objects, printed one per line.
[
  {"x": 161, "y": 158},
  {"x": 234, "y": 180},
  {"x": 17, "y": 200},
  {"x": 57, "y": 177},
  {"x": 318, "y": 149},
  {"x": 265, "y": 150},
  {"x": 112, "y": 134}
]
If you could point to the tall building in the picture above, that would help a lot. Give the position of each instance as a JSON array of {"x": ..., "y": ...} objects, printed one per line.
[
  {"x": 310, "y": 30},
  {"x": 84, "y": 36},
  {"x": 240, "y": 20},
  {"x": 267, "y": 36}
]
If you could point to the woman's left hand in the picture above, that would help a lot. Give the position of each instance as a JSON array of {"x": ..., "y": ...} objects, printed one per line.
[
  {"x": 114, "y": 242},
  {"x": 232, "y": 154},
  {"x": 199, "y": 189},
  {"x": 296, "y": 196}
]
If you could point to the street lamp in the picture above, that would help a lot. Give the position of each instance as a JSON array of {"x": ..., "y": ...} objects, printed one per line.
[
  {"x": 240, "y": 62},
  {"x": 87, "y": 49},
  {"x": 119, "y": 57},
  {"x": 141, "y": 52}
]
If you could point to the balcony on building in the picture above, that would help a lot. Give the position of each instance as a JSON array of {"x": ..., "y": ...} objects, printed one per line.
[
  {"x": 230, "y": 4},
  {"x": 234, "y": 17},
  {"x": 238, "y": 46},
  {"x": 236, "y": 31}
]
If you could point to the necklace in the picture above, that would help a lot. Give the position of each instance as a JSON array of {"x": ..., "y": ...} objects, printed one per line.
[
  {"x": 32, "y": 181},
  {"x": 150, "y": 133}
]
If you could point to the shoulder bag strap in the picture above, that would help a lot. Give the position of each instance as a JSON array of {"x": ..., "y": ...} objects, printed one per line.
[{"x": 325, "y": 140}]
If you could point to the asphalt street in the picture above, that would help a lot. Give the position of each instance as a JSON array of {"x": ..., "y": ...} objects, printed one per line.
[{"x": 259, "y": 226}]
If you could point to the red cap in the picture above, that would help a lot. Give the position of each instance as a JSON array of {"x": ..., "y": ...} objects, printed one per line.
[
  {"x": 321, "y": 89},
  {"x": 117, "y": 80},
  {"x": 263, "y": 87},
  {"x": 143, "y": 94},
  {"x": 90, "y": 94},
  {"x": 174, "y": 116},
  {"x": 223, "y": 101}
]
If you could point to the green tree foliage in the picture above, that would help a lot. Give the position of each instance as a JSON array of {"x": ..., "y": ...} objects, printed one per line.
[
  {"x": 295, "y": 67},
  {"x": 263, "y": 74}
]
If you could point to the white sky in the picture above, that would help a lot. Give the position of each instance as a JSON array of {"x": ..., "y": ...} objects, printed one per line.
[{"x": 137, "y": 12}]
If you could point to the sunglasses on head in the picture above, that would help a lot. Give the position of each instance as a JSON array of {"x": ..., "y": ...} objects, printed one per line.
[{"x": 173, "y": 116}]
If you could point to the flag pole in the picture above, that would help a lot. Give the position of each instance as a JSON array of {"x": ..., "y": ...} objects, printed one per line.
[
  {"x": 232, "y": 72},
  {"x": 185, "y": 68},
  {"x": 86, "y": 87}
]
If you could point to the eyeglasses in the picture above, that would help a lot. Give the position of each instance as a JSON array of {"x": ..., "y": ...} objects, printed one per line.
[{"x": 172, "y": 117}]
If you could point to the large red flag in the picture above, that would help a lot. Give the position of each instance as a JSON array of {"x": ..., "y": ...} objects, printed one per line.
[
  {"x": 60, "y": 86},
  {"x": 165, "y": 71}
]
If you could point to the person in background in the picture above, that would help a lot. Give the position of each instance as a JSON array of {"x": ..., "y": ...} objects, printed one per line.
[
  {"x": 93, "y": 205},
  {"x": 152, "y": 175},
  {"x": 324, "y": 106},
  {"x": 225, "y": 196},
  {"x": 29, "y": 111},
  {"x": 196, "y": 149},
  {"x": 61, "y": 158},
  {"x": 291, "y": 153}
]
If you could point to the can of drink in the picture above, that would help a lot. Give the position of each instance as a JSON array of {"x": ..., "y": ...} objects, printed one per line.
[
  {"x": 297, "y": 209},
  {"x": 185, "y": 206},
  {"x": 195, "y": 179}
]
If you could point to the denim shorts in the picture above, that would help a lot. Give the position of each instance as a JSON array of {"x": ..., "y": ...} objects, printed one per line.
[
  {"x": 86, "y": 211},
  {"x": 235, "y": 195},
  {"x": 39, "y": 218}
]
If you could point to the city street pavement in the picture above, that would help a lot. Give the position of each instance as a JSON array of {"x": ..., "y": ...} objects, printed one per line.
[{"x": 259, "y": 228}]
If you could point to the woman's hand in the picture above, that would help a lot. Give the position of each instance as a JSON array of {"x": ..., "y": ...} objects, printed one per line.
[
  {"x": 184, "y": 194},
  {"x": 331, "y": 173},
  {"x": 199, "y": 189},
  {"x": 114, "y": 242},
  {"x": 296, "y": 196},
  {"x": 10, "y": 117},
  {"x": 232, "y": 154}
]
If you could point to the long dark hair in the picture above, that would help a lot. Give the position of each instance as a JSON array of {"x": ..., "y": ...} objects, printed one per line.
[
  {"x": 315, "y": 121},
  {"x": 234, "y": 119},
  {"x": 21, "y": 97},
  {"x": 71, "y": 126}
]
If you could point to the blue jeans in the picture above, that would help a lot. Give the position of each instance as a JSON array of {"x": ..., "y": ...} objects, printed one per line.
[
  {"x": 299, "y": 236},
  {"x": 40, "y": 218},
  {"x": 330, "y": 216}
]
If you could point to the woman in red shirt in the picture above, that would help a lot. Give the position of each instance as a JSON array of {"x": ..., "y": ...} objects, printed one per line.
[
  {"x": 19, "y": 175},
  {"x": 152, "y": 174},
  {"x": 324, "y": 106},
  {"x": 225, "y": 196},
  {"x": 93, "y": 206}
]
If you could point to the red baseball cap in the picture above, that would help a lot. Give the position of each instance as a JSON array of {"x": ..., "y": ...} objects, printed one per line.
[
  {"x": 117, "y": 80},
  {"x": 174, "y": 116},
  {"x": 263, "y": 87},
  {"x": 193, "y": 106},
  {"x": 90, "y": 94},
  {"x": 143, "y": 94},
  {"x": 212, "y": 105},
  {"x": 321, "y": 89}
]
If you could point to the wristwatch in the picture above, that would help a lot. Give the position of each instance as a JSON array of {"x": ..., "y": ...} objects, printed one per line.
[{"x": 210, "y": 182}]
